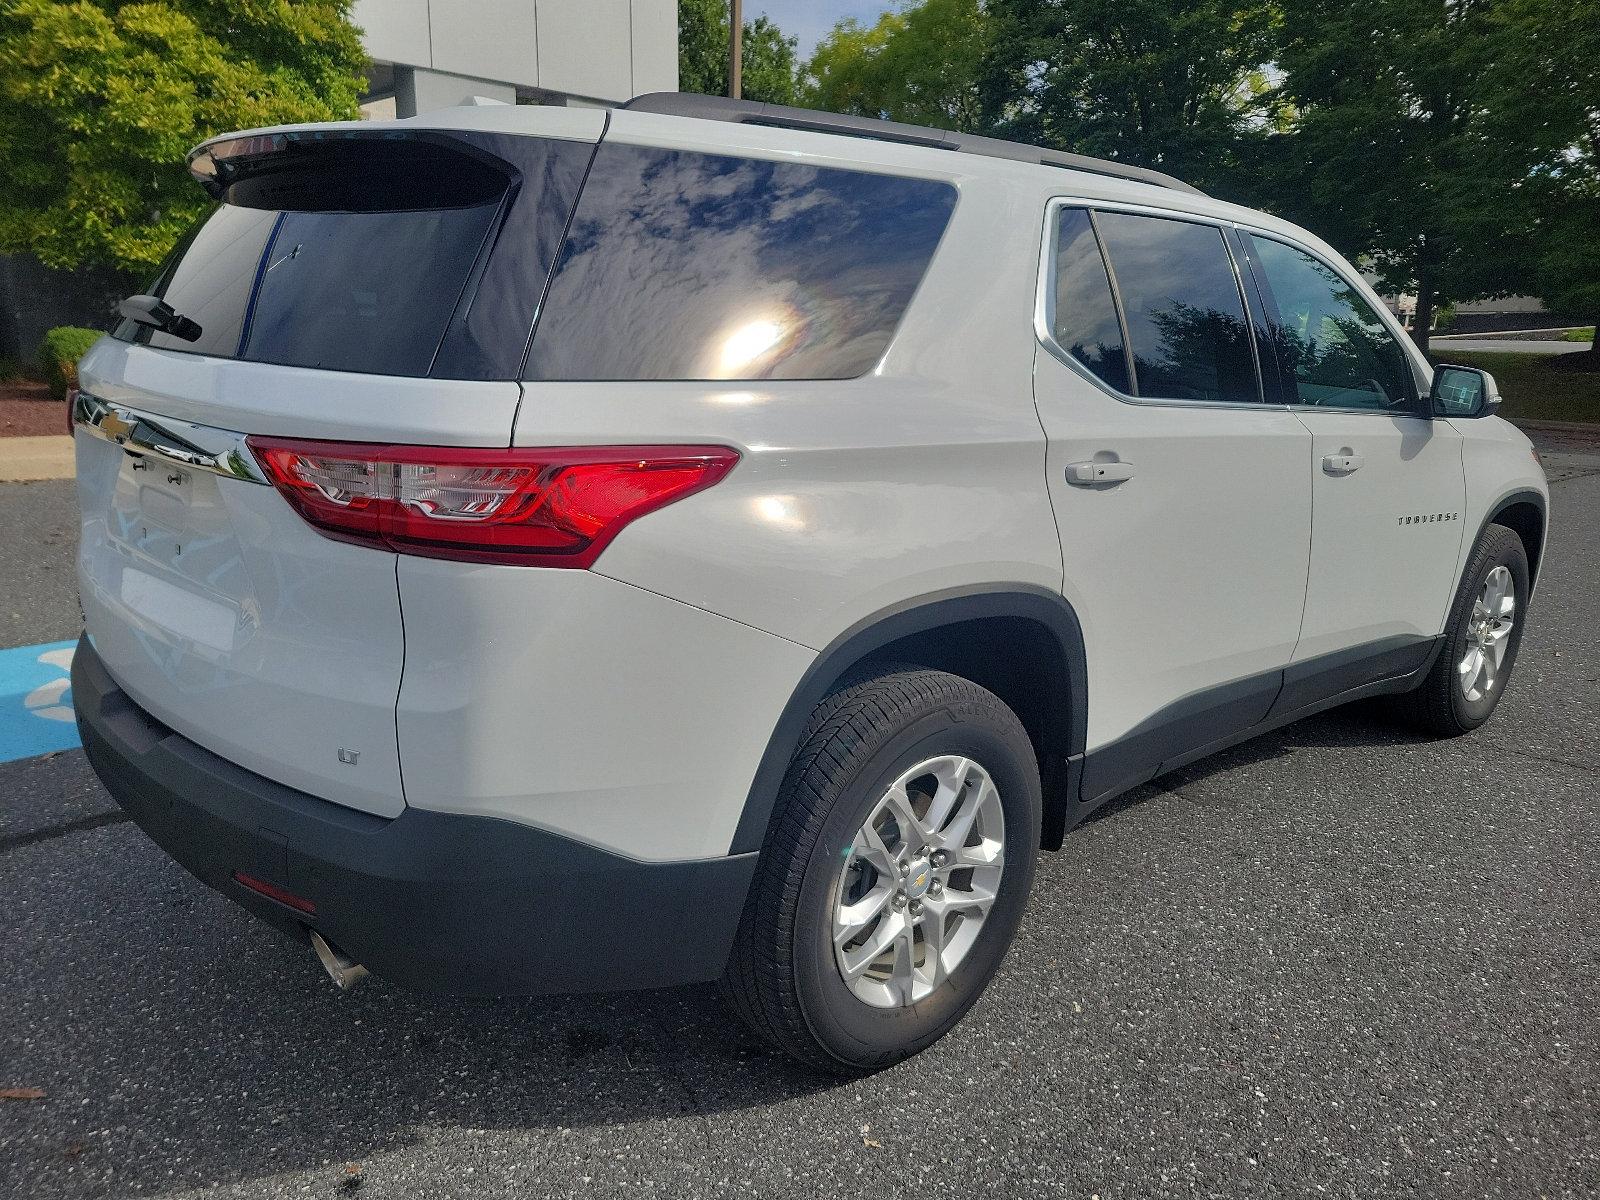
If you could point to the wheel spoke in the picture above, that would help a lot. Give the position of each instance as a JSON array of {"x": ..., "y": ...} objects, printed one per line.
[
  {"x": 889, "y": 932},
  {"x": 1498, "y": 638},
  {"x": 904, "y": 976},
  {"x": 977, "y": 897},
  {"x": 1494, "y": 590},
  {"x": 952, "y": 791},
  {"x": 933, "y": 970},
  {"x": 954, "y": 836},
  {"x": 898, "y": 803},
  {"x": 869, "y": 848},
  {"x": 987, "y": 853},
  {"x": 854, "y": 917}
]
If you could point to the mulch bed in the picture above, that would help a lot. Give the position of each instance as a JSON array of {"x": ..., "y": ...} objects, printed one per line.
[{"x": 28, "y": 410}]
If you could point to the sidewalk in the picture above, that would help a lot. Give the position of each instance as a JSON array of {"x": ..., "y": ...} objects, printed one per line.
[{"x": 29, "y": 458}]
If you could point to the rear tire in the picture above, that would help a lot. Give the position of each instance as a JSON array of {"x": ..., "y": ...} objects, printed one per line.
[
  {"x": 1470, "y": 675},
  {"x": 841, "y": 874}
]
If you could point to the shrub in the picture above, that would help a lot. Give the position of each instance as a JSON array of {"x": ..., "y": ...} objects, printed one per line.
[{"x": 59, "y": 355}]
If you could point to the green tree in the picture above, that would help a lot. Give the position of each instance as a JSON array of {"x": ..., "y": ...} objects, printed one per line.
[
  {"x": 1548, "y": 80},
  {"x": 919, "y": 64},
  {"x": 101, "y": 101},
  {"x": 766, "y": 56},
  {"x": 1173, "y": 84},
  {"x": 1417, "y": 140},
  {"x": 1568, "y": 260}
]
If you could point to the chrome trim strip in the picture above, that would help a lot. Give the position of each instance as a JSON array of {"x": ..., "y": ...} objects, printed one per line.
[{"x": 198, "y": 447}]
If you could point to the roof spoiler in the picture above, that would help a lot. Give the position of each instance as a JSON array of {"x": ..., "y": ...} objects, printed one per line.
[
  {"x": 350, "y": 169},
  {"x": 750, "y": 112}
]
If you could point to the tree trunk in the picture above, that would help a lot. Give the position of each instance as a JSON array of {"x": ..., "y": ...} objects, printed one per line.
[
  {"x": 1585, "y": 360},
  {"x": 1422, "y": 322},
  {"x": 735, "y": 50}
]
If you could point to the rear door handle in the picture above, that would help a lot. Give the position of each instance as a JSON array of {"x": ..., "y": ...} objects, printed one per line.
[
  {"x": 1342, "y": 464},
  {"x": 1087, "y": 474}
]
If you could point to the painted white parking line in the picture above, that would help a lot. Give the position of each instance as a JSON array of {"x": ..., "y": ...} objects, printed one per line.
[{"x": 36, "y": 700}]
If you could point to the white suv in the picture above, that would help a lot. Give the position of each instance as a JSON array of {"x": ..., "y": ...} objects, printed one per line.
[{"x": 538, "y": 549}]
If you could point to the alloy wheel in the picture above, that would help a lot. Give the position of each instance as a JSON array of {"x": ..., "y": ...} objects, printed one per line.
[
  {"x": 918, "y": 881},
  {"x": 1488, "y": 634}
]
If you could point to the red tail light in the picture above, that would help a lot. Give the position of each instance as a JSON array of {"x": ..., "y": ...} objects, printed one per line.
[{"x": 528, "y": 507}]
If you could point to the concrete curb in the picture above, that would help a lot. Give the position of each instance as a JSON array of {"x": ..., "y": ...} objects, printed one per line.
[{"x": 25, "y": 459}]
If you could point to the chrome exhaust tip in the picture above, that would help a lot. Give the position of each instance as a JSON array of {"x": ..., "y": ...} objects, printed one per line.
[{"x": 341, "y": 968}]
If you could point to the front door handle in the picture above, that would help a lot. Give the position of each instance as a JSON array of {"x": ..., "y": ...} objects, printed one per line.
[
  {"x": 1087, "y": 474},
  {"x": 1342, "y": 464}
]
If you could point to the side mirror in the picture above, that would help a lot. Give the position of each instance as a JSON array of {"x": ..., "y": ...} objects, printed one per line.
[
  {"x": 154, "y": 313},
  {"x": 1463, "y": 392}
]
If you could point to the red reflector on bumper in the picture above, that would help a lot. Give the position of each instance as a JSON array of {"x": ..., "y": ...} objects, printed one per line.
[{"x": 272, "y": 892}]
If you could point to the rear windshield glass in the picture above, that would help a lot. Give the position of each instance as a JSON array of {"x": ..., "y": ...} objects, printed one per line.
[
  {"x": 369, "y": 255},
  {"x": 682, "y": 265},
  {"x": 346, "y": 291}
]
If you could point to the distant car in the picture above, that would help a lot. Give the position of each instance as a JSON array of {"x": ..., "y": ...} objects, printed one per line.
[{"x": 537, "y": 549}]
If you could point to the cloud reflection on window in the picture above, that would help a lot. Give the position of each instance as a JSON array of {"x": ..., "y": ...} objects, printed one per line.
[{"x": 681, "y": 265}]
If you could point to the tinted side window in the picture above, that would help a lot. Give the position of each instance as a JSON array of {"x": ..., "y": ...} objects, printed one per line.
[
  {"x": 681, "y": 265},
  {"x": 1327, "y": 336},
  {"x": 1085, "y": 320},
  {"x": 1186, "y": 320}
]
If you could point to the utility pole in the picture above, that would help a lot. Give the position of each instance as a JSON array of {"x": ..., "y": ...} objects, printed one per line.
[{"x": 735, "y": 31}]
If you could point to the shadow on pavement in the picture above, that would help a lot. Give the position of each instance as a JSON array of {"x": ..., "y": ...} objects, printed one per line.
[
  {"x": 213, "y": 1050},
  {"x": 1364, "y": 723}
]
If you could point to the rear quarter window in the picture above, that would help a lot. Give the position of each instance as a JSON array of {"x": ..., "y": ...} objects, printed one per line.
[{"x": 682, "y": 265}]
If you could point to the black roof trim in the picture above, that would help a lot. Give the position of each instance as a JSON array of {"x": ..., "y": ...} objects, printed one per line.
[{"x": 750, "y": 112}]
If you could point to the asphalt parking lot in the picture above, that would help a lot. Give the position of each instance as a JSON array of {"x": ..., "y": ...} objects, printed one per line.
[{"x": 1337, "y": 961}]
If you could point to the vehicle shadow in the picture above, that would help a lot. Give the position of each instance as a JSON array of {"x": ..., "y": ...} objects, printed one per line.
[
  {"x": 181, "y": 1044},
  {"x": 212, "y": 1050},
  {"x": 1364, "y": 723}
]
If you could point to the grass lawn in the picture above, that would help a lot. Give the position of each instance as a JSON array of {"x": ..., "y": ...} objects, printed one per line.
[{"x": 1533, "y": 390}]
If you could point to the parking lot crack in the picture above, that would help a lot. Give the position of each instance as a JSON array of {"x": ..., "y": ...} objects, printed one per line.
[
  {"x": 1574, "y": 474},
  {"x": 18, "y": 841},
  {"x": 1570, "y": 764}
]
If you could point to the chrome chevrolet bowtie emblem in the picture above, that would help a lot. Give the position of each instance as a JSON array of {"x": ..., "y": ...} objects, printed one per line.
[{"x": 114, "y": 426}]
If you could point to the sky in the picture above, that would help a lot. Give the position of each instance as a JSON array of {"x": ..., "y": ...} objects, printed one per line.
[{"x": 809, "y": 20}]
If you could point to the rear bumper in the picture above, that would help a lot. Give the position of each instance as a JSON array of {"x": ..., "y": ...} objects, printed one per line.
[{"x": 431, "y": 901}]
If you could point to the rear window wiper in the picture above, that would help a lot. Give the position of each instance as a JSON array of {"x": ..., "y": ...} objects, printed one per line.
[{"x": 155, "y": 313}]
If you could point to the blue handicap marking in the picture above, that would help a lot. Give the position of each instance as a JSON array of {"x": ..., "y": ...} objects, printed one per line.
[{"x": 36, "y": 700}]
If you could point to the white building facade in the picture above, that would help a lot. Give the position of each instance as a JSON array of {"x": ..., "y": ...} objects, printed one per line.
[{"x": 430, "y": 54}]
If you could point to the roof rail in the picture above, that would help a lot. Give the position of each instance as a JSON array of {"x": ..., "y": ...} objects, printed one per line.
[{"x": 750, "y": 112}]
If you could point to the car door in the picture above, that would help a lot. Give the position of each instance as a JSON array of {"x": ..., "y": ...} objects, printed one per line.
[
  {"x": 1181, "y": 495},
  {"x": 1387, "y": 491}
]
